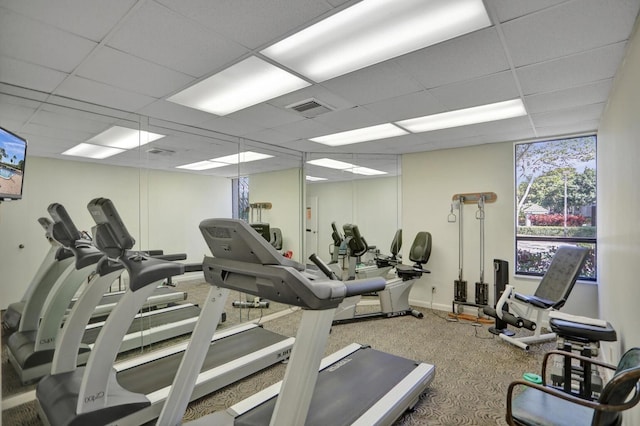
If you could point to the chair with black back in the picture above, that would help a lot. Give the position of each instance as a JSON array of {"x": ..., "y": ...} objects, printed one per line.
[{"x": 541, "y": 404}]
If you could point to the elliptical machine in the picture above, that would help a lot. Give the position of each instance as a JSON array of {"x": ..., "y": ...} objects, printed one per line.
[{"x": 394, "y": 298}]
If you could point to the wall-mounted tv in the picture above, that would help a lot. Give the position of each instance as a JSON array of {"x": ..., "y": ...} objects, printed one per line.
[{"x": 13, "y": 153}]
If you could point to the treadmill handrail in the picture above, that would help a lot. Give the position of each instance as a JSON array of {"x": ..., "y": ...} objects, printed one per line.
[{"x": 284, "y": 284}]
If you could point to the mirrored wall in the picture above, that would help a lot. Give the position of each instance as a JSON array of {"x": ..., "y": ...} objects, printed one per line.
[{"x": 360, "y": 189}]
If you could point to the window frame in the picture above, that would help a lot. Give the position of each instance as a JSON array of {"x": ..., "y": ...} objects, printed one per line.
[{"x": 560, "y": 240}]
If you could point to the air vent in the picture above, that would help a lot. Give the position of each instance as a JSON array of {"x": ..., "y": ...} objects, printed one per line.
[
  {"x": 160, "y": 151},
  {"x": 310, "y": 107}
]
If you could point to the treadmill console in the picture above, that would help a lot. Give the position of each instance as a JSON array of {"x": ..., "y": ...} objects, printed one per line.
[
  {"x": 110, "y": 234},
  {"x": 63, "y": 230}
]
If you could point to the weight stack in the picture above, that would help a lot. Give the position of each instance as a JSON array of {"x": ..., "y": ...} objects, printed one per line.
[
  {"x": 460, "y": 291},
  {"x": 482, "y": 293}
]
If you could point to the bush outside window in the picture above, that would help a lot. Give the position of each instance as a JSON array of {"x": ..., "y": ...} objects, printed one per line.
[{"x": 555, "y": 184}]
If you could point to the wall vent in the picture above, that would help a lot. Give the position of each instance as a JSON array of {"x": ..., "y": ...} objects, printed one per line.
[{"x": 310, "y": 107}]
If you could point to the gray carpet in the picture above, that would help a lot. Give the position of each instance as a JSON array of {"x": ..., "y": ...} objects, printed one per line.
[{"x": 473, "y": 368}]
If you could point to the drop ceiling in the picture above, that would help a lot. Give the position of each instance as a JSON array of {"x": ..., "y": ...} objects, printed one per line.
[{"x": 71, "y": 69}]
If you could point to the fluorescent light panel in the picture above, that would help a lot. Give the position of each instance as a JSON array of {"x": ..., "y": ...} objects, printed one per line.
[
  {"x": 201, "y": 165},
  {"x": 315, "y": 179},
  {"x": 242, "y": 157},
  {"x": 380, "y": 131},
  {"x": 373, "y": 31},
  {"x": 124, "y": 138},
  {"x": 92, "y": 151},
  {"x": 244, "y": 84},
  {"x": 464, "y": 117},
  {"x": 345, "y": 167},
  {"x": 331, "y": 164},
  {"x": 366, "y": 171}
]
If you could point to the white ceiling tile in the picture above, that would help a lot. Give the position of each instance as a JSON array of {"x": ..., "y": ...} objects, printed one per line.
[
  {"x": 89, "y": 19},
  {"x": 575, "y": 96},
  {"x": 510, "y": 9},
  {"x": 265, "y": 115},
  {"x": 571, "y": 71},
  {"x": 24, "y": 74},
  {"x": 304, "y": 129},
  {"x": 32, "y": 41},
  {"x": 569, "y": 28},
  {"x": 171, "y": 111},
  {"x": 403, "y": 107},
  {"x": 386, "y": 80},
  {"x": 512, "y": 136},
  {"x": 12, "y": 125},
  {"x": 587, "y": 126},
  {"x": 92, "y": 119},
  {"x": 269, "y": 136},
  {"x": 568, "y": 116},
  {"x": 509, "y": 125},
  {"x": 133, "y": 74},
  {"x": 349, "y": 119},
  {"x": 230, "y": 126},
  {"x": 71, "y": 135},
  {"x": 45, "y": 145},
  {"x": 75, "y": 122},
  {"x": 251, "y": 23},
  {"x": 484, "y": 90},
  {"x": 473, "y": 55},
  {"x": 15, "y": 112},
  {"x": 160, "y": 35},
  {"x": 102, "y": 94}
]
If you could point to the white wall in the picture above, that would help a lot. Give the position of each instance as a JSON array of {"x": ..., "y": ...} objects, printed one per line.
[
  {"x": 372, "y": 204},
  {"x": 283, "y": 189},
  {"x": 429, "y": 180},
  {"x": 167, "y": 207},
  {"x": 619, "y": 209}
]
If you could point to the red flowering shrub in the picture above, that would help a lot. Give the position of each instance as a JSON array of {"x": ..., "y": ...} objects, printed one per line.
[{"x": 557, "y": 219}]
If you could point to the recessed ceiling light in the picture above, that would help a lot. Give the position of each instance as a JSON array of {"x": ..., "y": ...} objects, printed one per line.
[
  {"x": 373, "y": 31},
  {"x": 332, "y": 164},
  {"x": 380, "y": 131},
  {"x": 201, "y": 165},
  {"x": 366, "y": 171},
  {"x": 315, "y": 179},
  {"x": 92, "y": 151},
  {"x": 464, "y": 117},
  {"x": 124, "y": 138},
  {"x": 246, "y": 83},
  {"x": 242, "y": 157}
]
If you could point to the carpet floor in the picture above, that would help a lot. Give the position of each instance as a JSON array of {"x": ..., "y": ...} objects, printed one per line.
[{"x": 473, "y": 367}]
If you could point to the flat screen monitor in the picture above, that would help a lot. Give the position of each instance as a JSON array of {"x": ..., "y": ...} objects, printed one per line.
[{"x": 13, "y": 153}]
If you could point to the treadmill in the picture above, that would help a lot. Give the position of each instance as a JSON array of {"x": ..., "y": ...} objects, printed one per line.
[
  {"x": 31, "y": 349},
  {"x": 55, "y": 263},
  {"x": 134, "y": 391},
  {"x": 357, "y": 385}
]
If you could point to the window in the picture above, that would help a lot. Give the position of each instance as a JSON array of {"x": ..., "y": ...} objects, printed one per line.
[
  {"x": 555, "y": 201},
  {"x": 240, "y": 198}
]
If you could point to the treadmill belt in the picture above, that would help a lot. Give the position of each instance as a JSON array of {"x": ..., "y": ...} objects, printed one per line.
[
  {"x": 344, "y": 393},
  {"x": 156, "y": 375},
  {"x": 147, "y": 322}
]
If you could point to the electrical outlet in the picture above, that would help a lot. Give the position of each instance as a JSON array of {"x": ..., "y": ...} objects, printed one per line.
[{"x": 433, "y": 289}]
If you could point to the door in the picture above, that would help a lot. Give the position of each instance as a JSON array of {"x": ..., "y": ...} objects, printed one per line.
[{"x": 311, "y": 226}]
